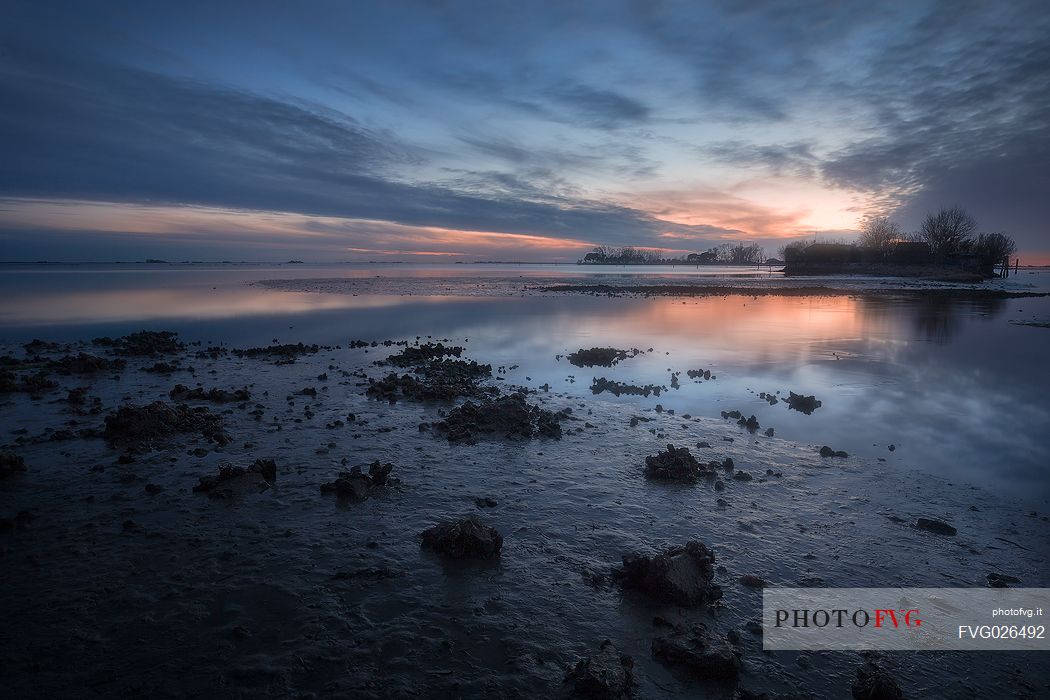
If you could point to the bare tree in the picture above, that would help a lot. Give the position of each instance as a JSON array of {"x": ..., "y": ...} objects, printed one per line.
[
  {"x": 879, "y": 233},
  {"x": 993, "y": 249},
  {"x": 948, "y": 231}
]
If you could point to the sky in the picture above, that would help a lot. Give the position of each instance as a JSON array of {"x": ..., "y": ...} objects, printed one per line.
[{"x": 439, "y": 131}]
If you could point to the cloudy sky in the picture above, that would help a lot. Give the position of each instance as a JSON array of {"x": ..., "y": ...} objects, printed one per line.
[{"x": 328, "y": 131}]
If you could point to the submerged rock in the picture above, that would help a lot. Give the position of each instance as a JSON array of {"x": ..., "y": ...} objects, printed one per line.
[
  {"x": 280, "y": 354},
  {"x": 600, "y": 384},
  {"x": 442, "y": 380},
  {"x": 694, "y": 650},
  {"x": 35, "y": 384},
  {"x": 510, "y": 416},
  {"x": 675, "y": 464},
  {"x": 231, "y": 480},
  {"x": 750, "y": 423},
  {"x": 83, "y": 363},
  {"x": 805, "y": 404},
  {"x": 875, "y": 684},
  {"x": 184, "y": 393},
  {"x": 140, "y": 427},
  {"x": 996, "y": 580},
  {"x": 421, "y": 354},
  {"x": 164, "y": 368},
  {"x": 752, "y": 581},
  {"x": 11, "y": 463},
  {"x": 608, "y": 675},
  {"x": 936, "y": 526},
  {"x": 680, "y": 575},
  {"x": 355, "y": 485},
  {"x": 826, "y": 451},
  {"x": 468, "y": 538},
  {"x": 144, "y": 344},
  {"x": 37, "y": 346},
  {"x": 601, "y": 357}
]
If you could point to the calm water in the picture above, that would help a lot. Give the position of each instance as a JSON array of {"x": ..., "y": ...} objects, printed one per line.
[{"x": 955, "y": 387}]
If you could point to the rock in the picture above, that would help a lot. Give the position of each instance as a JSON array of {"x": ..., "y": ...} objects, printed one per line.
[
  {"x": 231, "y": 480},
  {"x": 379, "y": 472},
  {"x": 601, "y": 357},
  {"x": 443, "y": 380},
  {"x": 412, "y": 356},
  {"x": 600, "y": 384},
  {"x": 355, "y": 485},
  {"x": 936, "y": 526},
  {"x": 140, "y": 427},
  {"x": 37, "y": 346},
  {"x": 144, "y": 344},
  {"x": 694, "y": 650},
  {"x": 750, "y": 423},
  {"x": 467, "y": 538},
  {"x": 281, "y": 354},
  {"x": 752, "y": 581},
  {"x": 996, "y": 580},
  {"x": 83, "y": 363},
  {"x": 608, "y": 675},
  {"x": 805, "y": 404},
  {"x": 510, "y": 416},
  {"x": 486, "y": 502},
  {"x": 742, "y": 476},
  {"x": 675, "y": 464},
  {"x": 769, "y": 432},
  {"x": 826, "y": 451},
  {"x": 11, "y": 463},
  {"x": 875, "y": 684},
  {"x": 680, "y": 575}
]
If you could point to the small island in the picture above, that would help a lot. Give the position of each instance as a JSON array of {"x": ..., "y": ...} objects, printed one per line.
[{"x": 947, "y": 247}]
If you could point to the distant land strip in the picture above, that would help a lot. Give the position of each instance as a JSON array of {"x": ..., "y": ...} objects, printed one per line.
[{"x": 688, "y": 290}]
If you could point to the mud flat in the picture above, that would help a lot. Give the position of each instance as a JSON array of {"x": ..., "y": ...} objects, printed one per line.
[{"x": 266, "y": 524}]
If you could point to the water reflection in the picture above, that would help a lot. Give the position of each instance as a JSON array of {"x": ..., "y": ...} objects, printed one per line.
[{"x": 954, "y": 386}]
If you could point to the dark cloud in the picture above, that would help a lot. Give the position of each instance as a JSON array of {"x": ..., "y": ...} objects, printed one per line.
[
  {"x": 108, "y": 133},
  {"x": 792, "y": 158},
  {"x": 494, "y": 116},
  {"x": 961, "y": 104},
  {"x": 604, "y": 109}
]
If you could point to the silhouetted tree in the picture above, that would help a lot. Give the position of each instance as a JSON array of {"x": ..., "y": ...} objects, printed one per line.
[
  {"x": 879, "y": 233},
  {"x": 992, "y": 249},
  {"x": 740, "y": 254},
  {"x": 948, "y": 231}
]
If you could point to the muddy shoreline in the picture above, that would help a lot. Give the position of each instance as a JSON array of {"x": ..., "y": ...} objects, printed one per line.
[{"x": 253, "y": 522}]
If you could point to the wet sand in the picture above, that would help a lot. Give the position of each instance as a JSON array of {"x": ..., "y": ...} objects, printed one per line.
[{"x": 120, "y": 579}]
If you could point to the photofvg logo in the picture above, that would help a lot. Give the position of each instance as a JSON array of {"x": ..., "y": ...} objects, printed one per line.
[
  {"x": 905, "y": 618},
  {"x": 804, "y": 617}
]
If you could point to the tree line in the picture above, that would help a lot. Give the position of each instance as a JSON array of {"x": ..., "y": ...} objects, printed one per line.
[
  {"x": 948, "y": 235},
  {"x": 724, "y": 254}
]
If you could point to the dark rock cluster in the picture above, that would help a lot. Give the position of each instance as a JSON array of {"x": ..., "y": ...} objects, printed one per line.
[
  {"x": 681, "y": 575},
  {"x": 141, "y": 427},
  {"x": 509, "y": 416},
  {"x": 468, "y": 538}
]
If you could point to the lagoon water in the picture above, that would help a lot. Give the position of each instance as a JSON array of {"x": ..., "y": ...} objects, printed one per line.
[
  {"x": 292, "y": 591},
  {"x": 957, "y": 387}
]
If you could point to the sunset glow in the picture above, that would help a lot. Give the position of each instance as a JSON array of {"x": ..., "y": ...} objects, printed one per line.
[{"x": 139, "y": 132}]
